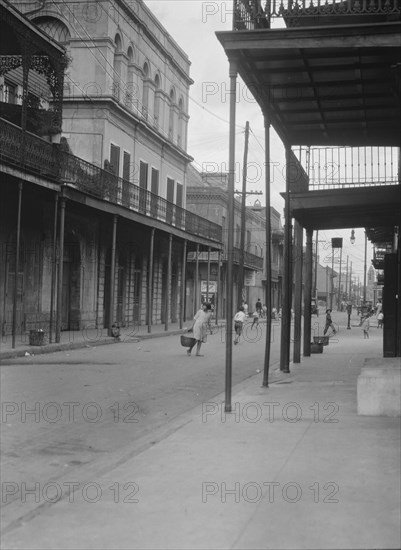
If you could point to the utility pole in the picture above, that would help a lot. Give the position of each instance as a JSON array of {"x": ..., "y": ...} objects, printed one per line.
[
  {"x": 350, "y": 283},
  {"x": 243, "y": 213},
  {"x": 346, "y": 282}
]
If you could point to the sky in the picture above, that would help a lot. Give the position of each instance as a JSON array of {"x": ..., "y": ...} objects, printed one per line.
[{"x": 192, "y": 24}]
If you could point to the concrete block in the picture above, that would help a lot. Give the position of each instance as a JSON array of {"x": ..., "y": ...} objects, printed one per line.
[{"x": 379, "y": 387}]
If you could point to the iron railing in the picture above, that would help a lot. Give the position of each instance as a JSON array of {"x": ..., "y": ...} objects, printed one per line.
[
  {"x": 39, "y": 157},
  {"x": 251, "y": 261},
  {"x": 345, "y": 167},
  {"x": 28, "y": 152},
  {"x": 257, "y": 14},
  {"x": 106, "y": 186}
]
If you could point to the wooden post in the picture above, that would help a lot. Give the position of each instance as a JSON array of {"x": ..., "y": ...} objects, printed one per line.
[
  {"x": 168, "y": 290},
  {"x": 230, "y": 237},
  {"x": 112, "y": 276},
  {"x": 60, "y": 270},
  {"x": 286, "y": 314},
  {"x": 17, "y": 254},
  {"x": 297, "y": 261},
  {"x": 150, "y": 280},
  {"x": 268, "y": 295},
  {"x": 308, "y": 293},
  {"x": 54, "y": 260},
  {"x": 183, "y": 283}
]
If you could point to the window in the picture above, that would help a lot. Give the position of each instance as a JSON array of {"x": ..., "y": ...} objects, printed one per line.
[
  {"x": 179, "y": 200},
  {"x": 155, "y": 193},
  {"x": 170, "y": 200},
  {"x": 126, "y": 179},
  {"x": 143, "y": 186},
  {"x": 156, "y": 106},
  {"x": 114, "y": 159}
]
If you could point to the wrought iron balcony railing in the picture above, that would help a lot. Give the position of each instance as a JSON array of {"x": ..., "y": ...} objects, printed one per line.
[
  {"x": 251, "y": 261},
  {"x": 39, "y": 157},
  {"x": 347, "y": 167},
  {"x": 257, "y": 14},
  {"x": 106, "y": 186},
  {"x": 28, "y": 152}
]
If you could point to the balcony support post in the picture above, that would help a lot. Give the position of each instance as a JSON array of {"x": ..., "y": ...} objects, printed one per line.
[
  {"x": 268, "y": 254},
  {"x": 233, "y": 72},
  {"x": 168, "y": 289},
  {"x": 53, "y": 276},
  {"x": 287, "y": 287},
  {"x": 183, "y": 283},
  {"x": 308, "y": 293},
  {"x": 297, "y": 261},
  {"x": 196, "y": 282},
  {"x": 150, "y": 280},
  {"x": 208, "y": 274},
  {"x": 60, "y": 269},
  {"x": 17, "y": 255},
  {"x": 218, "y": 289},
  {"x": 112, "y": 276}
]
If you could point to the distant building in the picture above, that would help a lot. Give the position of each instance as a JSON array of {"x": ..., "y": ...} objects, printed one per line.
[{"x": 207, "y": 195}]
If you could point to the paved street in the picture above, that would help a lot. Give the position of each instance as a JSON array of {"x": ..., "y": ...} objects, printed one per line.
[
  {"x": 129, "y": 447},
  {"x": 93, "y": 407}
]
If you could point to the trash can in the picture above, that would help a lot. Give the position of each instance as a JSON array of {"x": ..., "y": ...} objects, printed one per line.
[
  {"x": 316, "y": 347},
  {"x": 321, "y": 340},
  {"x": 37, "y": 337}
]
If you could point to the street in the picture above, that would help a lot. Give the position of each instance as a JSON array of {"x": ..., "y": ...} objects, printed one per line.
[{"x": 78, "y": 413}]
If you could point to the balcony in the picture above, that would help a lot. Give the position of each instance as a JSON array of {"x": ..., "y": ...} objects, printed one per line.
[
  {"x": 348, "y": 167},
  {"x": 249, "y": 14},
  {"x": 251, "y": 261},
  {"x": 36, "y": 156},
  {"x": 28, "y": 152}
]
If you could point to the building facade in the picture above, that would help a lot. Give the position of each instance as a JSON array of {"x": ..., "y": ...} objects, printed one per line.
[
  {"x": 103, "y": 229},
  {"x": 207, "y": 195}
]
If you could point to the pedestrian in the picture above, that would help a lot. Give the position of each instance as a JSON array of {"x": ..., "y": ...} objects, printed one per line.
[
  {"x": 200, "y": 327},
  {"x": 365, "y": 327},
  {"x": 239, "y": 320},
  {"x": 255, "y": 321},
  {"x": 379, "y": 306},
  {"x": 329, "y": 322},
  {"x": 245, "y": 308},
  {"x": 258, "y": 307},
  {"x": 380, "y": 318},
  {"x": 274, "y": 313},
  {"x": 264, "y": 310}
]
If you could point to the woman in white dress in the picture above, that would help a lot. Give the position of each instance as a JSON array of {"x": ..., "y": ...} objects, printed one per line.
[{"x": 200, "y": 327}]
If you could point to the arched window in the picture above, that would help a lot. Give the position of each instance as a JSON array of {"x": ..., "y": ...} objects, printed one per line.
[
  {"x": 180, "y": 133},
  {"x": 171, "y": 114},
  {"x": 156, "y": 106},
  {"x": 117, "y": 67},
  {"x": 131, "y": 92},
  {"x": 145, "y": 90}
]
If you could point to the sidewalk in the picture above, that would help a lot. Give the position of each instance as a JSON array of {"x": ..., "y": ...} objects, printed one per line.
[
  {"x": 292, "y": 467},
  {"x": 85, "y": 338},
  {"x": 91, "y": 337}
]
